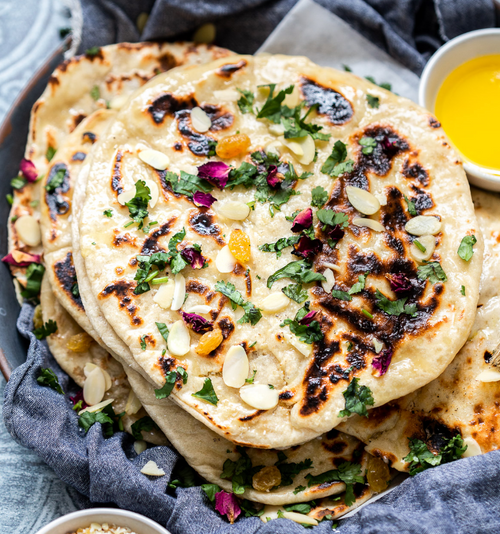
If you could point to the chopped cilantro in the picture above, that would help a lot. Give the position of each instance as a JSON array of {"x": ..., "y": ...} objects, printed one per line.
[
  {"x": 421, "y": 458},
  {"x": 207, "y": 393},
  {"x": 298, "y": 489},
  {"x": 309, "y": 333},
  {"x": 108, "y": 213},
  {"x": 50, "y": 153},
  {"x": 210, "y": 490},
  {"x": 332, "y": 218},
  {"x": 289, "y": 470},
  {"x": 145, "y": 424},
  {"x": 335, "y": 164},
  {"x": 240, "y": 472},
  {"x": 110, "y": 421},
  {"x": 46, "y": 330},
  {"x": 357, "y": 398},
  {"x": 462, "y": 290},
  {"x": 252, "y": 314},
  {"x": 143, "y": 342},
  {"x": 56, "y": 181},
  {"x": 384, "y": 85},
  {"x": 319, "y": 197},
  {"x": 34, "y": 275},
  {"x": 48, "y": 378},
  {"x": 245, "y": 103},
  {"x": 187, "y": 184},
  {"x": 394, "y": 307},
  {"x": 163, "y": 329},
  {"x": 368, "y": 144},
  {"x": 272, "y": 107},
  {"x": 252, "y": 378},
  {"x": 75, "y": 289},
  {"x": 366, "y": 313},
  {"x": 296, "y": 126},
  {"x": 419, "y": 245},
  {"x": 170, "y": 379},
  {"x": 341, "y": 295},
  {"x": 244, "y": 175},
  {"x": 359, "y": 285},
  {"x": 18, "y": 182},
  {"x": 249, "y": 509},
  {"x": 92, "y": 51},
  {"x": 347, "y": 68},
  {"x": 465, "y": 250},
  {"x": 10, "y": 199},
  {"x": 411, "y": 206},
  {"x": 279, "y": 245},
  {"x": 432, "y": 271},
  {"x": 183, "y": 476},
  {"x": 373, "y": 101},
  {"x": 95, "y": 93},
  {"x": 295, "y": 292},
  {"x": 138, "y": 206},
  {"x": 298, "y": 271}
]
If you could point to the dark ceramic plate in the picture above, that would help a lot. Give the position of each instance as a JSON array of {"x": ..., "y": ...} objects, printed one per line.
[{"x": 13, "y": 135}]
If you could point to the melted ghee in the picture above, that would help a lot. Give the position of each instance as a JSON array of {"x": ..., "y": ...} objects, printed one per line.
[{"x": 468, "y": 106}]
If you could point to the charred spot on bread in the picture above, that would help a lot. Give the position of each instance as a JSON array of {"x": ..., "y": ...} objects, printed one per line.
[{"x": 331, "y": 103}]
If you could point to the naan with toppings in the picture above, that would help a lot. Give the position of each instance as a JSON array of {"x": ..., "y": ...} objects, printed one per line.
[{"x": 292, "y": 237}]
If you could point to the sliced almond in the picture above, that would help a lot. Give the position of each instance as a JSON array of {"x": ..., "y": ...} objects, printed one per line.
[
  {"x": 165, "y": 294},
  {"x": 382, "y": 198},
  {"x": 235, "y": 368},
  {"x": 294, "y": 146},
  {"x": 154, "y": 158},
  {"x": 270, "y": 512},
  {"x": 126, "y": 196},
  {"x": 332, "y": 266},
  {"x": 276, "y": 129},
  {"x": 428, "y": 242},
  {"x": 328, "y": 284},
  {"x": 200, "y": 121},
  {"x": 152, "y": 469},
  {"x": 274, "y": 148},
  {"x": 260, "y": 396},
  {"x": 179, "y": 340},
  {"x": 94, "y": 387},
  {"x": 140, "y": 446},
  {"x": 234, "y": 210},
  {"x": 89, "y": 367},
  {"x": 179, "y": 292},
  {"x": 28, "y": 230},
  {"x": 275, "y": 302},
  {"x": 133, "y": 404},
  {"x": 107, "y": 379},
  {"x": 488, "y": 375},
  {"x": 199, "y": 308},
  {"x": 227, "y": 95},
  {"x": 368, "y": 223},
  {"x": 362, "y": 200},
  {"x": 377, "y": 345},
  {"x": 423, "y": 225},
  {"x": 473, "y": 448},
  {"x": 225, "y": 261},
  {"x": 300, "y": 518},
  {"x": 97, "y": 407},
  {"x": 303, "y": 348},
  {"x": 155, "y": 193},
  {"x": 303, "y": 148}
]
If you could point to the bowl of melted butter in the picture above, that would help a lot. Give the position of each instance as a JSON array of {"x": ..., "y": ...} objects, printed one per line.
[{"x": 461, "y": 85}]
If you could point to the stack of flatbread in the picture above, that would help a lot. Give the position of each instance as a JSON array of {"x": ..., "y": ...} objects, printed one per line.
[{"x": 273, "y": 266}]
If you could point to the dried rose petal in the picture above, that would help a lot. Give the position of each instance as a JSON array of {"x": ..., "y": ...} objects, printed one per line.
[
  {"x": 75, "y": 399},
  {"x": 303, "y": 220},
  {"x": 308, "y": 318},
  {"x": 199, "y": 324},
  {"x": 307, "y": 247},
  {"x": 399, "y": 282},
  {"x": 272, "y": 178},
  {"x": 227, "y": 504},
  {"x": 215, "y": 172},
  {"x": 336, "y": 232},
  {"x": 194, "y": 257},
  {"x": 28, "y": 170},
  {"x": 22, "y": 259},
  {"x": 381, "y": 363},
  {"x": 203, "y": 199}
]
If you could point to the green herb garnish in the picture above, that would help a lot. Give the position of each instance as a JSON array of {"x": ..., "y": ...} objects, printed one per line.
[
  {"x": 252, "y": 314},
  {"x": 170, "y": 379},
  {"x": 298, "y": 271},
  {"x": 394, "y": 307},
  {"x": 207, "y": 393},
  {"x": 421, "y": 458},
  {"x": 48, "y": 378},
  {"x": 46, "y": 330},
  {"x": 335, "y": 164},
  {"x": 465, "y": 250},
  {"x": 373, "y": 101},
  {"x": 432, "y": 271},
  {"x": 357, "y": 398}
]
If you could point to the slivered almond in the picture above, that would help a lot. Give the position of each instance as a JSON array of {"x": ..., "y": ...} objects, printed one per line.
[
  {"x": 362, "y": 200},
  {"x": 28, "y": 230},
  {"x": 300, "y": 518},
  {"x": 155, "y": 193},
  {"x": 126, "y": 196},
  {"x": 473, "y": 448},
  {"x": 200, "y": 121},
  {"x": 165, "y": 294},
  {"x": 89, "y": 367},
  {"x": 332, "y": 266},
  {"x": 303, "y": 348},
  {"x": 152, "y": 469},
  {"x": 234, "y": 210},
  {"x": 274, "y": 148},
  {"x": 107, "y": 379},
  {"x": 382, "y": 198},
  {"x": 179, "y": 340},
  {"x": 429, "y": 244},
  {"x": 275, "y": 302},
  {"x": 488, "y": 375},
  {"x": 276, "y": 129},
  {"x": 260, "y": 396},
  {"x": 97, "y": 407},
  {"x": 328, "y": 284},
  {"x": 133, "y": 404},
  {"x": 377, "y": 345},
  {"x": 199, "y": 308},
  {"x": 368, "y": 223},
  {"x": 235, "y": 368},
  {"x": 179, "y": 292},
  {"x": 423, "y": 225},
  {"x": 303, "y": 148},
  {"x": 140, "y": 446},
  {"x": 154, "y": 158},
  {"x": 94, "y": 387},
  {"x": 225, "y": 261}
]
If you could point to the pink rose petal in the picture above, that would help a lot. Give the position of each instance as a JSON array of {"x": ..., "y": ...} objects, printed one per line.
[
  {"x": 382, "y": 361},
  {"x": 303, "y": 220},
  {"x": 215, "y": 172},
  {"x": 203, "y": 199},
  {"x": 227, "y": 504},
  {"x": 28, "y": 170}
]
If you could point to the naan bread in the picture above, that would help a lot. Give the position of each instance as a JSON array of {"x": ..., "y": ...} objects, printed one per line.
[
  {"x": 460, "y": 400},
  {"x": 410, "y": 157}
]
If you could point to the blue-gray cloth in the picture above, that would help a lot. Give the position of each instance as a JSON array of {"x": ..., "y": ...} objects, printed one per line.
[{"x": 463, "y": 497}]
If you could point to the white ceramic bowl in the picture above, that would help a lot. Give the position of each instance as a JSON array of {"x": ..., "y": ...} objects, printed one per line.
[
  {"x": 446, "y": 59},
  {"x": 121, "y": 518}
]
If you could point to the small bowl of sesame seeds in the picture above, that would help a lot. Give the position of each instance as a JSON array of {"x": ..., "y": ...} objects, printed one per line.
[{"x": 103, "y": 521}]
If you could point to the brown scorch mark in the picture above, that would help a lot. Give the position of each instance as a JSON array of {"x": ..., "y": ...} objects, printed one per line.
[
  {"x": 65, "y": 274},
  {"x": 123, "y": 290}
]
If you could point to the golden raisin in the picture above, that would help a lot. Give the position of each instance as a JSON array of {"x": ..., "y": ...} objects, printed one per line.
[
  {"x": 378, "y": 474},
  {"x": 239, "y": 245},
  {"x": 209, "y": 342},
  {"x": 232, "y": 146},
  {"x": 79, "y": 342},
  {"x": 37, "y": 317},
  {"x": 267, "y": 478}
]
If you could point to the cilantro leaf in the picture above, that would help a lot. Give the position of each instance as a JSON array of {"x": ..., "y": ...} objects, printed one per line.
[
  {"x": 170, "y": 379},
  {"x": 252, "y": 314},
  {"x": 309, "y": 333},
  {"x": 108, "y": 213},
  {"x": 368, "y": 144},
  {"x": 359, "y": 285},
  {"x": 240, "y": 472},
  {"x": 245, "y": 102},
  {"x": 462, "y": 290},
  {"x": 411, "y": 206},
  {"x": 341, "y": 295},
  {"x": 244, "y": 175},
  {"x": 88, "y": 419},
  {"x": 432, "y": 271},
  {"x": 384, "y": 85},
  {"x": 57, "y": 180},
  {"x": 421, "y": 458},
  {"x": 298, "y": 489},
  {"x": 332, "y": 218},
  {"x": 183, "y": 476},
  {"x": 46, "y": 330},
  {"x": 319, "y": 197},
  {"x": 51, "y": 151},
  {"x": 163, "y": 329},
  {"x": 465, "y": 250},
  {"x": 296, "y": 126},
  {"x": 34, "y": 275},
  {"x": 210, "y": 490},
  {"x": 138, "y": 206},
  {"x": 335, "y": 164},
  {"x": 207, "y": 393},
  {"x": 48, "y": 378},
  {"x": 289, "y": 470},
  {"x": 110, "y": 421},
  {"x": 95, "y": 93},
  {"x": 357, "y": 398},
  {"x": 18, "y": 182},
  {"x": 272, "y": 107},
  {"x": 187, "y": 184},
  {"x": 394, "y": 307},
  {"x": 281, "y": 244},
  {"x": 295, "y": 292},
  {"x": 373, "y": 101},
  {"x": 298, "y": 271},
  {"x": 145, "y": 424},
  {"x": 92, "y": 51}
]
